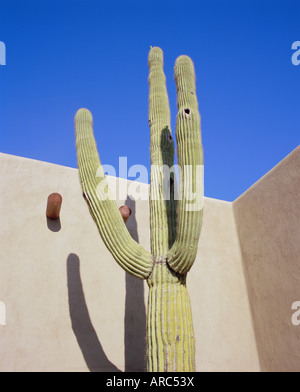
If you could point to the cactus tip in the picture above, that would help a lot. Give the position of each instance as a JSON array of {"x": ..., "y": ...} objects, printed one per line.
[
  {"x": 155, "y": 54},
  {"x": 83, "y": 114},
  {"x": 184, "y": 60}
]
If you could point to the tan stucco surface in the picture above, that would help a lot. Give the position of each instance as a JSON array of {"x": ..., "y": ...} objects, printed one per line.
[
  {"x": 268, "y": 222},
  {"x": 70, "y": 307}
]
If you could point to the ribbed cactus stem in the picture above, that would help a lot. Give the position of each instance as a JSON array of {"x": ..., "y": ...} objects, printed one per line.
[
  {"x": 190, "y": 158},
  {"x": 174, "y": 239},
  {"x": 162, "y": 210},
  {"x": 131, "y": 256},
  {"x": 170, "y": 335}
]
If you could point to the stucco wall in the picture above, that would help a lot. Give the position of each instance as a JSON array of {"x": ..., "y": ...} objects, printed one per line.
[
  {"x": 268, "y": 223},
  {"x": 70, "y": 307}
]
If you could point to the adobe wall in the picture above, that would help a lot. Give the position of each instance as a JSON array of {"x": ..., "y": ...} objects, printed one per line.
[
  {"x": 268, "y": 223},
  {"x": 70, "y": 307}
]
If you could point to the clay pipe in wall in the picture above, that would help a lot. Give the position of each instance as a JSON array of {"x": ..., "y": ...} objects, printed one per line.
[
  {"x": 125, "y": 212},
  {"x": 53, "y": 205}
]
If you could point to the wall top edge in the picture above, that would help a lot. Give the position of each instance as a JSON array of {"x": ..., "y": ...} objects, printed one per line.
[{"x": 280, "y": 164}]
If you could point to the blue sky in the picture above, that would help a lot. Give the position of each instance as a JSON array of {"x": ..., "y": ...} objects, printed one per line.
[{"x": 63, "y": 55}]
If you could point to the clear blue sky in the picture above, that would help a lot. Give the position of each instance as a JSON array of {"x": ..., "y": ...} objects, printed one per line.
[{"x": 63, "y": 55}]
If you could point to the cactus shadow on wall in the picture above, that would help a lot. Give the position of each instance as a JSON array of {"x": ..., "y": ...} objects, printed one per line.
[
  {"x": 169, "y": 186},
  {"x": 92, "y": 351},
  {"x": 135, "y": 312},
  {"x": 134, "y": 320}
]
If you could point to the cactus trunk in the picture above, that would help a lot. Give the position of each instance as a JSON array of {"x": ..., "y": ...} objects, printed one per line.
[
  {"x": 170, "y": 334},
  {"x": 174, "y": 224}
]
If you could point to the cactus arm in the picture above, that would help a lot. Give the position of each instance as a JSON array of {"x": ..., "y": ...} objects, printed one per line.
[
  {"x": 131, "y": 256},
  {"x": 190, "y": 159},
  {"x": 162, "y": 211}
]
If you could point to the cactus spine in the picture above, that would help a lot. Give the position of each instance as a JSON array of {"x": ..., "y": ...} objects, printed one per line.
[{"x": 175, "y": 229}]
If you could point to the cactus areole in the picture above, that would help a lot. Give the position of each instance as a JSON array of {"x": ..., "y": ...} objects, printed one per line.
[{"x": 174, "y": 226}]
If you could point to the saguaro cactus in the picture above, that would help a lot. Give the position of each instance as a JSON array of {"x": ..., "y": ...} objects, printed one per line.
[{"x": 174, "y": 224}]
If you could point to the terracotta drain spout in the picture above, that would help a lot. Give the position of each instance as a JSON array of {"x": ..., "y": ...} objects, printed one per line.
[
  {"x": 125, "y": 212},
  {"x": 53, "y": 205}
]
